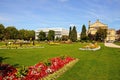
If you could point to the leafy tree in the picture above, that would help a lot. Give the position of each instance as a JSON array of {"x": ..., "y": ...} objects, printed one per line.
[
  {"x": 2, "y": 29},
  {"x": 51, "y": 35},
  {"x": 26, "y": 34},
  {"x": 83, "y": 33},
  {"x": 74, "y": 34},
  {"x": 11, "y": 33},
  {"x": 31, "y": 34},
  {"x": 42, "y": 36},
  {"x": 21, "y": 34},
  {"x": 101, "y": 34}
]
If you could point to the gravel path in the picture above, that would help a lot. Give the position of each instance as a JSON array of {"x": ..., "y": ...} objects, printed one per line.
[{"x": 111, "y": 45}]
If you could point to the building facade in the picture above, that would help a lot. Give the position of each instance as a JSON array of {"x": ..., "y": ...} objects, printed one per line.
[
  {"x": 111, "y": 33},
  {"x": 59, "y": 32}
]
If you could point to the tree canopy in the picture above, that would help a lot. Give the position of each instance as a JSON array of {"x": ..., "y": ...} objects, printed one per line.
[
  {"x": 26, "y": 34},
  {"x": 11, "y": 32}
]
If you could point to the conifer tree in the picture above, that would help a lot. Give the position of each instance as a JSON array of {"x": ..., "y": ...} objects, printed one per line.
[
  {"x": 74, "y": 34},
  {"x": 83, "y": 33},
  {"x": 70, "y": 30}
]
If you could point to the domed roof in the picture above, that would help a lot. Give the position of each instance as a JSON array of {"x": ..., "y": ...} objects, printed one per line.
[{"x": 98, "y": 24}]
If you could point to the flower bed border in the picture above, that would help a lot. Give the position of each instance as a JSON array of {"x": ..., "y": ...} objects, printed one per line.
[
  {"x": 94, "y": 49},
  {"x": 58, "y": 73},
  {"x": 23, "y": 47}
]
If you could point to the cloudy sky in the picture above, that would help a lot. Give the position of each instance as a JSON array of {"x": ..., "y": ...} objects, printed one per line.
[{"x": 35, "y": 14}]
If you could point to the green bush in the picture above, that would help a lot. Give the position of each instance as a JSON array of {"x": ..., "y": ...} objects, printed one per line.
[{"x": 22, "y": 71}]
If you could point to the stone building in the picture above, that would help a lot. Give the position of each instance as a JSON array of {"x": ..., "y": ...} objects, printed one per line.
[{"x": 92, "y": 29}]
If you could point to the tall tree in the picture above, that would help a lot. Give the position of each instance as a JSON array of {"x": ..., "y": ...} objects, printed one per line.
[
  {"x": 51, "y": 35},
  {"x": 83, "y": 33},
  {"x": 11, "y": 33},
  {"x": 2, "y": 29},
  {"x": 74, "y": 34},
  {"x": 70, "y": 30},
  {"x": 42, "y": 36},
  {"x": 101, "y": 34}
]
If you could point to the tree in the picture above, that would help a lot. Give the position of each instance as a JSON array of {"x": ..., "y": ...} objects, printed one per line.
[
  {"x": 83, "y": 33},
  {"x": 42, "y": 36},
  {"x": 70, "y": 30},
  {"x": 11, "y": 33},
  {"x": 31, "y": 34},
  {"x": 91, "y": 37},
  {"x": 101, "y": 34},
  {"x": 51, "y": 35},
  {"x": 74, "y": 34},
  {"x": 2, "y": 29}
]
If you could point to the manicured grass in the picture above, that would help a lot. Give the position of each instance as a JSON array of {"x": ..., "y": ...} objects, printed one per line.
[
  {"x": 103, "y": 64},
  {"x": 2, "y": 43}
]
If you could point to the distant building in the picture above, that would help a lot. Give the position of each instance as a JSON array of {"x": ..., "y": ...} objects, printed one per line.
[
  {"x": 111, "y": 33},
  {"x": 59, "y": 32},
  {"x": 78, "y": 36}
]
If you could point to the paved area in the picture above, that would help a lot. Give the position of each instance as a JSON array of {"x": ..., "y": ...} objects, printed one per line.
[{"x": 111, "y": 45}]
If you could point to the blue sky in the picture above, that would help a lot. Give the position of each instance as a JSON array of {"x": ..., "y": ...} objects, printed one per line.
[{"x": 35, "y": 14}]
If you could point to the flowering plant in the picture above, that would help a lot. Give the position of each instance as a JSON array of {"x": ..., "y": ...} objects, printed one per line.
[{"x": 91, "y": 46}]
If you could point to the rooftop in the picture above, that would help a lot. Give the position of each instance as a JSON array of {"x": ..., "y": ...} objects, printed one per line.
[{"x": 97, "y": 24}]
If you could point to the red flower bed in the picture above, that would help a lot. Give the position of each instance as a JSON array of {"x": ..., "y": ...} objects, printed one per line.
[
  {"x": 36, "y": 72},
  {"x": 7, "y": 72}
]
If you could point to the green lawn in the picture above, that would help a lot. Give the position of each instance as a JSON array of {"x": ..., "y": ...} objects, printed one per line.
[
  {"x": 117, "y": 43},
  {"x": 2, "y": 43},
  {"x": 103, "y": 64}
]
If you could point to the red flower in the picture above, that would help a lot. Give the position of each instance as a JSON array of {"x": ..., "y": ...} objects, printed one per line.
[{"x": 36, "y": 72}]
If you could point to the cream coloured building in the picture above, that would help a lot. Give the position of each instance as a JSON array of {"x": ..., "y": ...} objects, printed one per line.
[
  {"x": 59, "y": 32},
  {"x": 111, "y": 33}
]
